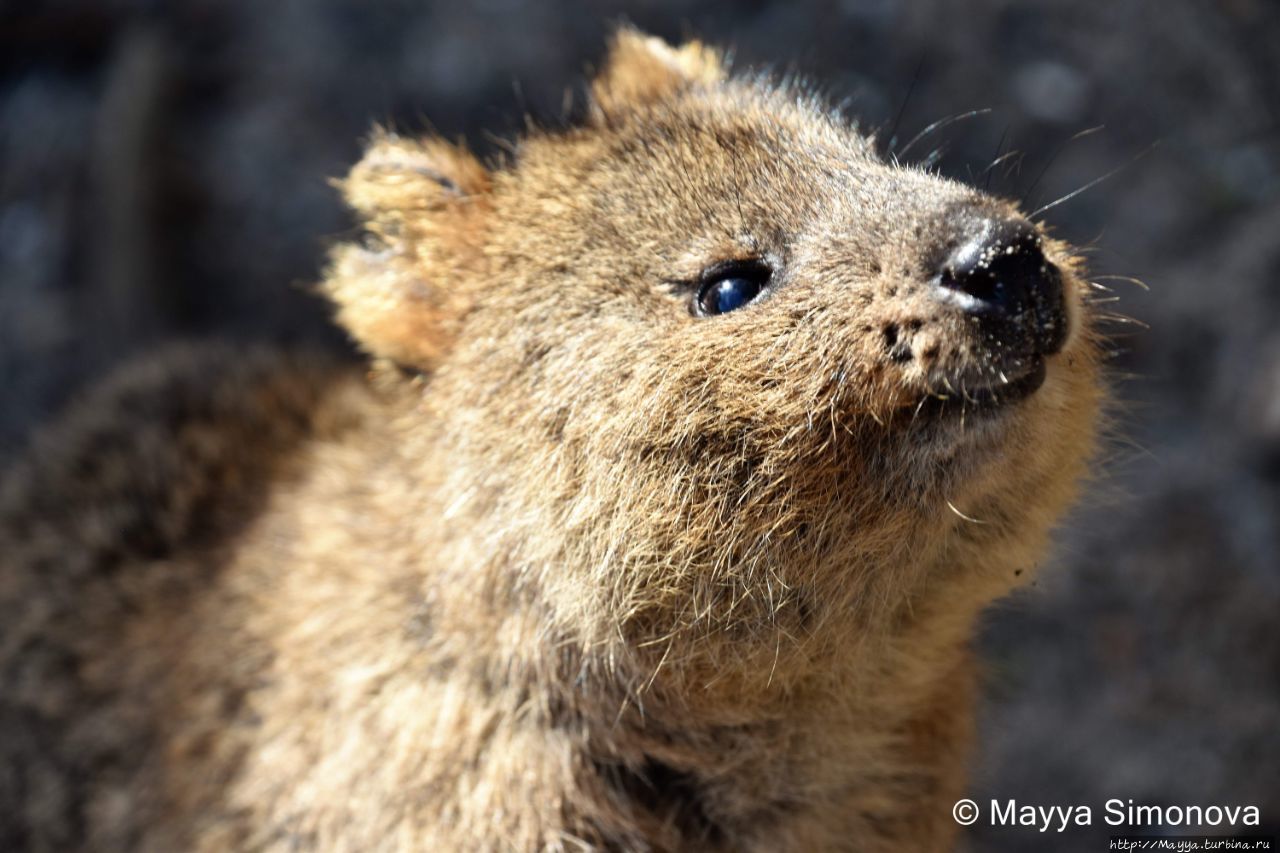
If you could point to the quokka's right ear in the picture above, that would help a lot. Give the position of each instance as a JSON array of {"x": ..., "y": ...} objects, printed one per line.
[
  {"x": 424, "y": 206},
  {"x": 642, "y": 69}
]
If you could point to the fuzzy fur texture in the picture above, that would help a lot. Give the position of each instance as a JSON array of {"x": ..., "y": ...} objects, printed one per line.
[{"x": 570, "y": 568}]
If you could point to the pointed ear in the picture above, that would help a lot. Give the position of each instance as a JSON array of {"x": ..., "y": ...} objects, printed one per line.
[
  {"x": 641, "y": 69},
  {"x": 424, "y": 206}
]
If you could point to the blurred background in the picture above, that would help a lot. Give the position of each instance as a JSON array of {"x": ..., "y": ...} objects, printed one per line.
[{"x": 163, "y": 171}]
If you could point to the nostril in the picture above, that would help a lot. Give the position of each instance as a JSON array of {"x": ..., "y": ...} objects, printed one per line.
[
  {"x": 998, "y": 268},
  {"x": 1002, "y": 275}
]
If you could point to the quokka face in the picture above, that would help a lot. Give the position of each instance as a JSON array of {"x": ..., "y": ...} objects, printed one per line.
[{"x": 714, "y": 316}]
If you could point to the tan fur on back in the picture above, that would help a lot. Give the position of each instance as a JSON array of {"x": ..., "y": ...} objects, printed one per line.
[{"x": 567, "y": 568}]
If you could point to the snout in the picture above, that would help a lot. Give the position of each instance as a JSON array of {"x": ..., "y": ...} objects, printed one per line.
[{"x": 999, "y": 277}]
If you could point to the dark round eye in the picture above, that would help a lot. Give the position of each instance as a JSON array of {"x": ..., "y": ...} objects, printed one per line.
[{"x": 731, "y": 289}]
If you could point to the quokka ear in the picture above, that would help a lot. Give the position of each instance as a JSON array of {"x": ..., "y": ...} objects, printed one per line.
[
  {"x": 641, "y": 69},
  {"x": 424, "y": 205}
]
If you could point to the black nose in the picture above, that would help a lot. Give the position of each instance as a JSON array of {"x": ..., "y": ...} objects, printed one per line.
[{"x": 1000, "y": 276}]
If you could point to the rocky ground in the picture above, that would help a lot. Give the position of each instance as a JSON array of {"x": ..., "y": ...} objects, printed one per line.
[{"x": 162, "y": 174}]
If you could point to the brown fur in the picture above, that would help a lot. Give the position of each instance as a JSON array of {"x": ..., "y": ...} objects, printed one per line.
[{"x": 570, "y": 568}]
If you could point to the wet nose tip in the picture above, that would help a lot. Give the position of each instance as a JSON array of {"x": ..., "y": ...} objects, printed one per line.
[{"x": 1001, "y": 275}]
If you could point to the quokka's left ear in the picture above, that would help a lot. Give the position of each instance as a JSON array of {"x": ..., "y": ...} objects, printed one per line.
[
  {"x": 641, "y": 69},
  {"x": 424, "y": 206}
]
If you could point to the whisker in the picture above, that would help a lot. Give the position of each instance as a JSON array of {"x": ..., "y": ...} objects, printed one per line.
[
  {"x": 1004, "y": 134},
  {"x": 934, "y": 156},
  {"x": 893, "y": 131},
  {"x": 938, "y": 125},
  {"x": 962, "y": 515},
  {"x": 1139, "y": 282},
  {"x": 1053, "y": 158},
  {"x": 990, "y": 170},
  {"x": 1122, "y": 320},
  {"x": 1015, "y": 165},
  {"x": 1092, "y": 183}
]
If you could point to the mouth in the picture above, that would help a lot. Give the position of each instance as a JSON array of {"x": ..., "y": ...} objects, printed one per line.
[{"x": 970, "y": 400}]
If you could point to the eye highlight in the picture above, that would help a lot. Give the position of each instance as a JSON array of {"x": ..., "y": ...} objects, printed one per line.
[{"x": 728, "y": 287}]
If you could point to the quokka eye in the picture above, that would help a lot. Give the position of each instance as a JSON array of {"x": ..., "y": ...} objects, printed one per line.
[{"x": 729, "y": 287}]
